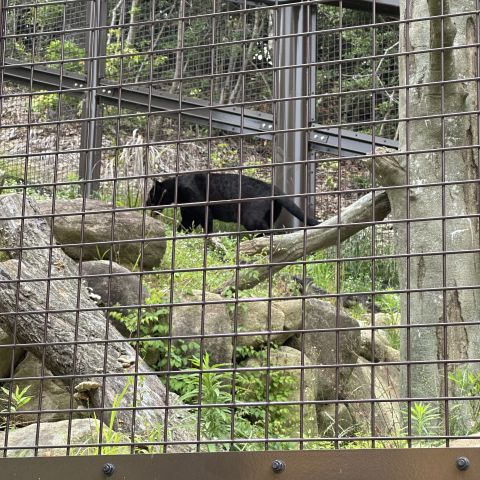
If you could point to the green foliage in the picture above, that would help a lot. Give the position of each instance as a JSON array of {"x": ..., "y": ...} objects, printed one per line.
[
  {"x": 46, "y": 105},
  {"x": 64, "y": 51},
  {"x": 425, "y": 419},
  {"x": 251, "y": 387},
  {"x": 13, "y": 401},
  {"x": 355, "y": 275},
  {"x": 389, "y": 303},
  {"x": 357, "y": 43},
  {"x": 110, "y": 437},
  {"x": 151, "y": 324},
  {"x": 224, "y": 155},
  {"x": 68, "y": 192},
  {"x": 127, "y": 60},
  {"x": 117, "y": 443},
  {"x": 214, "y": 388},
  {"x": 466, "y": 414}
]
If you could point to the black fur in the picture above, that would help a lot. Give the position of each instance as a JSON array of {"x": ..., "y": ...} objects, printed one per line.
[{"x": 192, "y": 187}]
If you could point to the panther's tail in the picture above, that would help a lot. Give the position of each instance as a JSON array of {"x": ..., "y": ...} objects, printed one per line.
[{"x": 296, "y": 211}]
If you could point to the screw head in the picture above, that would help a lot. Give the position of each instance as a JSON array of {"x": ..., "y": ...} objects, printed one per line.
[
  {"x": 462, "y": 463},
  {"x": 108, "y": 469},
  {"x": 278, "y": 466}
]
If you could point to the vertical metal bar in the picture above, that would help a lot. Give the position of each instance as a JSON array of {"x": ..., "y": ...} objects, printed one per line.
[
  {"x": 3, "y": 32},
  {"x": 91, "y": 134},
  {"x": 295, "y": 115}
]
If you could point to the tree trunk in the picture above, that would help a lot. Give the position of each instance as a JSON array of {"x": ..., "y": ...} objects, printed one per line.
[
  {"x": 428, "y": 272},
  {"x": 75, "y": 344},
  {"x": 290, "y": 247},
  {"x": 132, "y": 29},
  {"x": 179, "y": 53}
]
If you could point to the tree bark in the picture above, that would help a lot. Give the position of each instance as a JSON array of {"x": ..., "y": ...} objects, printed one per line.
[
  {"x": 75, "y": 344},
  {"x": 290, "y": 247},
  {"x": 132, "y": 29},
  {"x": 179, "y": 53},
  {"x": 453, "y": 271}
]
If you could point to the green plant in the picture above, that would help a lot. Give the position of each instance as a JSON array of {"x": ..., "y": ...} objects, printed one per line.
[
  {"x": 251, "y": 387},
  {"x": 124, "y": 58},
  {"x": 465, "y": 415},
  {"x": 71, "y": 55},
  {"x": 111, "y": 438},
  {"x": 224, "y": 155},
  {"x": 114, "y": 442},
  {"x": 425, "y": 419},
  {"x": 69, "y": 191},
  {"x": 153, "y": 322},
  {"x": 389, "y": 303},
  {"x": 354, "y": 275},
  {"x": 66, "y": 50},
  {"x": 211, "y": 390},
  {"x": 13, "y": 401}
]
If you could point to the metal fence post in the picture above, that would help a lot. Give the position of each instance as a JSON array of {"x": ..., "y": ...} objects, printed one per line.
[
  {"x": 91, "y": 133},
  {"x": 3, "y": 33},
  {"x": 297, "y": 114}
]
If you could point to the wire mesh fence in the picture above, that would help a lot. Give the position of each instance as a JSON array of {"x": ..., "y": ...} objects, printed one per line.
[{"x": 154, "y": 298}]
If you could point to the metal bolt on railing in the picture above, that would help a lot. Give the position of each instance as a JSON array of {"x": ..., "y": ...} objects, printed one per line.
[{"x": 278, "y": 466}]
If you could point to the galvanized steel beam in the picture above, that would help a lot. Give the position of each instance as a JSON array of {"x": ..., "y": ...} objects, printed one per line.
[{"x": 228, "y": 119}]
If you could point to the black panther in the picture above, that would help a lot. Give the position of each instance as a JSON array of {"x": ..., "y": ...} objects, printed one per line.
[{"x": 255, "y": 214}]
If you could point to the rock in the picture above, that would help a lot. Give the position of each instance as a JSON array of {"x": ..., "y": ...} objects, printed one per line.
[
  {"x": 388, "y": 421},
  {"x": 289, "y": 357},
  {"x": 115, "y": 286},
  {"x": 97, "y": 228},
  {"x": 6, "y": 355},
  {"x": 221, "y": 317},
  {"x": 55, "y": 395},
  {"x": 321, "y": 346},
  {"x": 292, "y": 309},
  {"x": 83, "y": 432},
  {"x": 75, "y": 338},
  {"x": 382, "y": 351},
  {"x": 328, "y": 416},
  {"x": 285, "y": 315},
  {"x": 385, "y": 319},
  {"x": 187, "y": 320}
]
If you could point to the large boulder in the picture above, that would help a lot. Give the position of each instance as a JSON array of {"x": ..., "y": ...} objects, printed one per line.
[
  {"x": 328, "y": 341},
  {"x": 279, "y": 316},
  {"x": 94, "y": 222},
  {"x": 211, "y": 319},
  {"x": 386, "y": 382},
  {"x": 375, "y": 347},
  {"x": 55, "y": 398},
  {"x": 289, "y": 357},
  {"x": 219, "y": 318},
  {"x": 114, "y": 284},
  {"x": 83, "y": 432}
]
